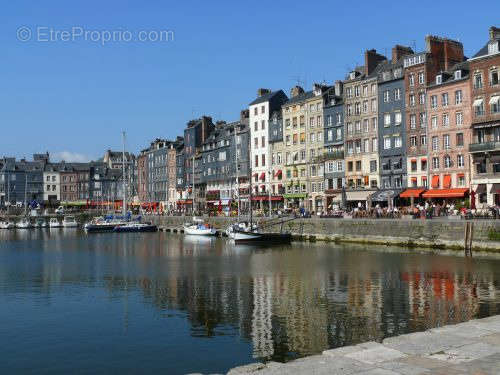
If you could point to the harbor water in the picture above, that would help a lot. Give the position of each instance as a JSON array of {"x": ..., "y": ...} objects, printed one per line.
[{"x": 130, "y": 303}]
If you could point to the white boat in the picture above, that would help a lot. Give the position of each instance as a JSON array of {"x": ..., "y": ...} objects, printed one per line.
[
  {"x": 69, "y": 222},
  {"x": 40, "y": 223},
  {"x": 243, "y": 232},
  {"x": 199, "y": 228},
  {"x": 54, "y": 223},
  {"x": 24, "y": 223},
  {"x": 7, "y": 225}
]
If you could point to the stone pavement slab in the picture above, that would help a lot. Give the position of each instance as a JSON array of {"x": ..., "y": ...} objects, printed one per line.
[
  {"x": 425, "y": 343},
  {"x": 467, "y": 353},
  {"x": 404, "y": 368},
  {"x": 376, "y": 355}
]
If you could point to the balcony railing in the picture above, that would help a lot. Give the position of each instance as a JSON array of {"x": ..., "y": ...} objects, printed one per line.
[{"x": 485, "y": 146}]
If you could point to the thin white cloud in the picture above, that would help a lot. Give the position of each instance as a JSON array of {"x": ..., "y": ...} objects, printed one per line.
[{"x": 70, "y": 157}]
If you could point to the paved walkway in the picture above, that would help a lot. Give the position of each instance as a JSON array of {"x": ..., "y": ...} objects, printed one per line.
[{"x": 467, "y": 348}]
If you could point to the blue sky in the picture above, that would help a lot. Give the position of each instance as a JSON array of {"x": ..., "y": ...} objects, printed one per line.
[{"x": 76, "y": 96}]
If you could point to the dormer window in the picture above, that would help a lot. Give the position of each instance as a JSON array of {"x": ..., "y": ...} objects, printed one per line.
[
  {"x": 352, "y": 75},
  {"x": 493, "y": 47},
  {"x": 439, "y": 79},
  {"x": 458, "y": 74}
]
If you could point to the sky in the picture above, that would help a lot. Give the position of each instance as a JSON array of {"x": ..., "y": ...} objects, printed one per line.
[{"x": 74, "y": 75}]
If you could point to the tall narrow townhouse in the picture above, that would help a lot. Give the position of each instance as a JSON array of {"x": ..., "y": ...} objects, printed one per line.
[
  {"x": 485, "y": 148},
  {"x": 333, "y": 118},
  {"x": 361, "y": 110},
  {"x": 277, "y": 151},
  {"x": 260, "y": 110},
  {"x": 420, "y": 70},
  {"x": 294, "y": 115},
  {"x": 315, "y": 149},
  {"x": 392, "y": 130},
  {"x": 449, "y": 132}
]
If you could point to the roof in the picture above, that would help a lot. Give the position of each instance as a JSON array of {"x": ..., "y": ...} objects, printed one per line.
[
  {"x": 484, "y": 50},
  {"x": 449, "y": 76},
  {"x": 300, "y": 98},
  {"x": 266, "y": 97}
]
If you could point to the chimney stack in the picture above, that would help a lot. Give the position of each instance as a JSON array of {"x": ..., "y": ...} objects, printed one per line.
[
  {"x": 399, "y": 51},
  {"x": 339, "y": 88},
  {"x": 262, "y": 92},
  {"x": 372, "y": 59},
  {"x": 447, "y": 52},
  {"x": 295, "y": 91},
  {"x": 494, "y": 33},
  {"x": 244, "y": 115}
]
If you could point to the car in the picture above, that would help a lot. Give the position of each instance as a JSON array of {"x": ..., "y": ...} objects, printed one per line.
[{"x": 59, "y": 210}]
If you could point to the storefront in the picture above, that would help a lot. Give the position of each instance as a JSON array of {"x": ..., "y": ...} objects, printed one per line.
[
  {"x": 386, "y": 198},
  {"x": 294, "y": 200},
  {"x": 413, "y": 195},
  {"x": 441, "y": 195},
  {"x": 358, "y": 198}
]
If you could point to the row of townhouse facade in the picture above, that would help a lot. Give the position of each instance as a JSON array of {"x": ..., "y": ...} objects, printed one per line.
[
  {"x": 51, "y": 183},
  {"x": 416, "y": 120}
]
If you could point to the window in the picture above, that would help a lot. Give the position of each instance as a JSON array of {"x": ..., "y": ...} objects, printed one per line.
[
  {"x": 459, "y": 118},
  {"x": 397, "y": 118},
  {"x": 413, "y": 165},
  {"x": 373, "y": 166},
  {"x": 319, "y": 121},
  {"x": 413, "y": 141},
  {"x": 423, "y": 140},
  {"x": 255, "y": 111},
  {"x": 349, "y": 92},
  {"x": 461, "y": 180},
  {"x": 421, "y": 98},
  {"x": 458, "y": 97},
  {"x": 444, "y": 99},
  {"x": 374, "y": 105},
  {"x": 422, "y": 119},
  {"x": 374, "y": 88},
  {"x": 494, "y": 77},
  {"x": 411, "y": 80},
  {"x": 447, "y": 161},
  {"x": 302, "y": 155},
  {"x": 357, "y": 108},
  {"x": 435, "y": 143},
  {"x": 478, "y": 81},
  {"x": 397, "y": 94},
  {"x": 439, "y": 79},
  {"x": 329, "y": 120},
  {"x": 262, "y": 109},
  {"x": 365, "y": 90},
  {"x": 349, "y": 166},
  {"x": 421, "y": 78},
  {"x": 495, "y": 103},
  {"x": 287, "y": 124},
  {"x": 339, "y": 133},
  {"x": 413, "y": 121},
  {"x": 423, "y": 165},
  {"x": 460, "y": 139},
  {"x": 374, "y": 123},
  {"x": 349, "y": 109},
  {"x": 311, "y": 122},
  {"x": 357, "y": 127},
  {"x": 330, "y": 135},
  {"x": 460, "y": 161},
  {"x": 412, "y": 100},
  {"x": 312, "y": 137},
  {"x": 358, "y": 165},
  {"x": 256, "y": 160},
  {"x": 349, "y": 128},
  {"x": 446, "y": 141},
  {"x": 366, "y": 145},
  {"x": 302, "y": 121},
  {"x": 478, "y": 107},
  {"x": 357, "y": 146},
  {"x": 435, "y": 163},
  {"x": 458, "y": 74},
  {"x": 263, "y": 141},
  {"x": 366, "y": 125},
  {"x": 263, "y": 158},
  {"x": 386, "y": 96},
  {"x": 434, "y": 122},
  {"x": 387, "y": 119},
  {"x": 287, "y": 138},
  {"x": 446, "y": 119},
  {"x": 387, "y": 143},
  {"x": 434, "y": 101},
  {"x": 356, "y": 91},
  {"x": 263, "y": 124},
  {"x": 398, "y": 142},
  {"x": 365, "y": 106}
]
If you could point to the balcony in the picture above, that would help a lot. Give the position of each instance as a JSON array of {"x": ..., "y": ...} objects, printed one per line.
[{"x": 485, "y": 146}]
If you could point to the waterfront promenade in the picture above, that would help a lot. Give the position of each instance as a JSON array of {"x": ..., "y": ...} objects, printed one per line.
[{"x": 466, "y": 348}]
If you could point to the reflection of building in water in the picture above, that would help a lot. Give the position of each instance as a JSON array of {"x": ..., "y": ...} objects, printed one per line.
[{"x": 262, "y": 337}]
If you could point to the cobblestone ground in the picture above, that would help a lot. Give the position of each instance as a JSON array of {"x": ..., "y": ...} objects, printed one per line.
[{"x": 467, "y": 348}]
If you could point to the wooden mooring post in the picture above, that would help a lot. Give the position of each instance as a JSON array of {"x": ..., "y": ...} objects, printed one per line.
[{"x": 469, "y": 231}]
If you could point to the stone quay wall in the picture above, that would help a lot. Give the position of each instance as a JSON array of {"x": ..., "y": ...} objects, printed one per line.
[{"x": 435, "y": 233}]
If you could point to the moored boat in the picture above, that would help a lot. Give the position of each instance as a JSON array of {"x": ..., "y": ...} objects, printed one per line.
[
  {"x": 24, "y": 223},
  {"x": 199, "y": 228},
  {"x": 7, "y": 225},
  {"x": 40, "y": 223},
  {"x": 100, "y": 224},
  {"x": 136, "y": 227},
  {"x": 69, "y": 222},
  {"x": 54, "y": 223}
]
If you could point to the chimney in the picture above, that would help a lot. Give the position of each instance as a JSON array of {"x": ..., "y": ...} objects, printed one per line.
[
  {"x": 372, "y": 59},
  {"x": 339, "y": 88},
  {"x": 400, "y": 51},
  {"x": 262, "y": 92},
  {"x": 244, "y": 114},
  {"x": 494, "y": 33},
  {"x": 295, "y": 91},
  {"x": 446, "y": 52}
]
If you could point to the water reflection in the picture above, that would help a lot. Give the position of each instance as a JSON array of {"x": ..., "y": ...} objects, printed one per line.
[{"x": 282, "y": 302}]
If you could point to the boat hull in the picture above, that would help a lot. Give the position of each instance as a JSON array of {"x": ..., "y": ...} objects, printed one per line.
[
  {"x": 270, "y": 238},
  {"x": 199, "y": 232},
  {"x": 135, "y": 229}
]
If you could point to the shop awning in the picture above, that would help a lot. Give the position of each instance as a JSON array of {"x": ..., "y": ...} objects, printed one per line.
[
  {"x": 263, "y": 176},
  {"x": 477, "y": 102},
  {"x": 481, "y": 188},
  {"x": 266, "y": 198},
  {"x": 278, "y": 173},
  {"x": 494, "y": 99},
  {"x": 446, "y": 193},
  {"x": 435, "y": 181},
  {"x": 411, "y": 193},
  {"x": 185, "y": 201},
  {"x": 447, "y": 181},
  {"x": 295, "y": 195},
  {"x": 255, "y": 175},
  {"x": 361, "y": 195},
  {"x": 495, "y": 189},
  {"x": 384, "y": 195}
]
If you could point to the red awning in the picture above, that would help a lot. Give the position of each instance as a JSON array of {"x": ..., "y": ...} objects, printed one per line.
[
  {"x": 185, "y": 201},
  {"x": 447, "y": 181},
  {"x": 435, "y": 181},
  {"x": 446, "y": 193},
  {"x": 262, "y": 186},
  {"x": 255, "y": 175},
  {"x": 409, "y": 193},
  {"x": 263, "y": 176},
  {"x": 278, "y": 173},
  {"x": 266, "y": 198}
]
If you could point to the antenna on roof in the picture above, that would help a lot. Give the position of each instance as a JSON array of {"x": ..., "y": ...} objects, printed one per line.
[{"x": 414, "y": 45}]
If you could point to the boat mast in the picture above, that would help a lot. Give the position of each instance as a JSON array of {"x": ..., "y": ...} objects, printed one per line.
[
  {"x": 25, "y": 191},
  {"x": 237, "y": 173},
  {"x": 193, "y": 190},
  {"x": 250, "y": 190},
  {"x": 124, "y": 206},
  {"x": 269, "y": 161}
]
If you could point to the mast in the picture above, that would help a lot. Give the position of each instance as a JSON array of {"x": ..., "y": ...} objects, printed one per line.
[
  {"x": 193, "y": 187},
  {"x": 124, "y": 205},
  {"x": 236, "y": 169},
  {"x": 270, "y": 170},
  {"x": 25, "y": 191},
  {"x": 250, "y": 191}
]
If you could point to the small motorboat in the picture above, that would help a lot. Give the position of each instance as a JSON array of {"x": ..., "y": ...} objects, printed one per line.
[
  {"x": 7, "y": 225},
  {"x": 40, "y": 223},
  {"x": 24, "y": 223},
  {"x": 136, "y": 227},
  {"x": 100, "y": 224},
  {"x": 54, "y": 223},
  {"x": 69, "y": 222},
  {"x": 245, "y": 232},
  {"x": 199, "y": 228}
]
